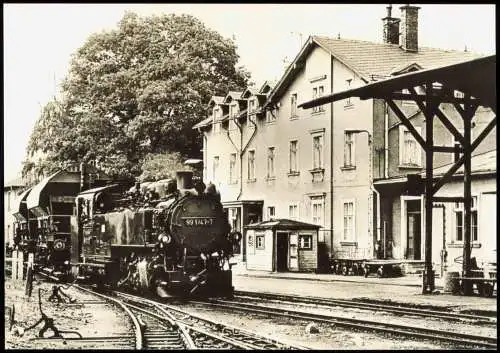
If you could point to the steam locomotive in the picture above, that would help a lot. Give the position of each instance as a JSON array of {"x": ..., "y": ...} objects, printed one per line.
[{"x": 172, "y": 240}]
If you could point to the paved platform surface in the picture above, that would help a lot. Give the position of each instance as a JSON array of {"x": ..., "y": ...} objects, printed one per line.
[{"x": 406, "y": 289}]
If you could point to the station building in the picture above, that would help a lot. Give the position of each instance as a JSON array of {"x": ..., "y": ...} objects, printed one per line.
[
  {"x": 11, "y": 192},
  {"x": 272, "y": 160}
]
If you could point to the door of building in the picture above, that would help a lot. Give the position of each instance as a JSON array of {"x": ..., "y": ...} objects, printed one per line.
[
  {"x": 282, "y": 252},
  {"x": 413, "y": 230}
]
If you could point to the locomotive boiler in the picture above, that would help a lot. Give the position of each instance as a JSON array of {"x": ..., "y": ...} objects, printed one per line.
[{"x": 170, "y": 238}]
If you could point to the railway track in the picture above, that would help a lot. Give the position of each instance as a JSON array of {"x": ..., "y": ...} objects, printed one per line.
[
  {"x": 402, "y": 310},
  {"x": 208, "y": 333},
  {"x": 162, "y": 326},
  {"x": 357, "y": 324}
]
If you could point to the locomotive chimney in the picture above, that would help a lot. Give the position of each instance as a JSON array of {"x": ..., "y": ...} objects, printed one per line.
[{"x": 184, "y": 180}]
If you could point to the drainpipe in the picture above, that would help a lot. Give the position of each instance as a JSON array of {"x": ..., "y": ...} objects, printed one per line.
[
  {"x": 243, "y": 150},
  {"x": 331, "y": 158},
  {"x": 205, "y": 159},
  {"x": 372, "y": 187},
  {"x": 444, "y": 252},
  {"x": 386, "y": 140},
  {"x": 236, "y": 148}
]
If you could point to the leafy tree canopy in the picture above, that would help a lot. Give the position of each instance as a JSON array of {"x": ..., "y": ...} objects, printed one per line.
[
  {"x": 136, "y": 91},
  {"x": 162, "y": 166}
]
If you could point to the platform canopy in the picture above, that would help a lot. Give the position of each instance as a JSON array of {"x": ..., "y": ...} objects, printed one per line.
[
  {"x": 476, "y": 80},
  {"x": 475, "y": 77}
]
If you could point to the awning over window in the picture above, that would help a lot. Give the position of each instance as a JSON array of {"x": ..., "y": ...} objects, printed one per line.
[{"x": 20, "y": 211}]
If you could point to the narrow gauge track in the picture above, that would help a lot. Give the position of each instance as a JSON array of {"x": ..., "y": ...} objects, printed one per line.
[
  {"x": 358, "y": 324},
  {"x": 233, "y": 337},
  {"x": 369, "y": 306},
  {"x": 158, "y": 329}
]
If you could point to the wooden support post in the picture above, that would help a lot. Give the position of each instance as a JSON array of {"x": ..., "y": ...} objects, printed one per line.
[
  {"x": 20, "y": 266},
  {"x": 14, "y": 265},
  {"x": 428, "y": 277},
  {"x": 29, "y": 275},
  {"x": 467, "y": 118}
]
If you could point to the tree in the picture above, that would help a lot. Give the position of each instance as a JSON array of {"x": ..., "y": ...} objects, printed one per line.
[
  {"x": 161, "y": 166},
  {"x": 138, "y": 90}
]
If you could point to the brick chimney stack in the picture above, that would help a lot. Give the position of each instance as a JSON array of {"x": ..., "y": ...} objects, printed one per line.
[
  {"x": 409, "y": 28},
  {"x": 391, "y": 28}
]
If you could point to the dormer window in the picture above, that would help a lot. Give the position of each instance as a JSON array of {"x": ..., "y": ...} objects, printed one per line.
[
  {"x": 252, "y": 106},
  {"x": 216, "y": 121},
  {"x": 233, "y": 110}
]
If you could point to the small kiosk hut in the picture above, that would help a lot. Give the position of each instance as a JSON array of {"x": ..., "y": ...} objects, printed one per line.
[{"x": 282, "y": 245}]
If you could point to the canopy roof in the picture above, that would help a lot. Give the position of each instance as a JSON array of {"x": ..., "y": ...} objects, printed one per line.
[
  {"x": 37, "y": 196},
  {"x": 20, "y": 211},
  {"x": 475, "y": 77},
  {"x": 283, "y": 224}
]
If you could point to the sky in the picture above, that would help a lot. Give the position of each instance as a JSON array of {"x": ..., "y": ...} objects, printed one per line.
[{"x": 40, "y": 38}]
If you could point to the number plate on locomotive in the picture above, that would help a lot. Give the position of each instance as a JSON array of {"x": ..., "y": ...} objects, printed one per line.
[{"x": 198, "y": 221}]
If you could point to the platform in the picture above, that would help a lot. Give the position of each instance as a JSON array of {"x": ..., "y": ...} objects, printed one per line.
[{"x": 405, "y": 289}]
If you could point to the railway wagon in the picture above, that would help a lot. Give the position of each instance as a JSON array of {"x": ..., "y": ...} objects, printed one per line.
[{"x": 43, "y": 217}]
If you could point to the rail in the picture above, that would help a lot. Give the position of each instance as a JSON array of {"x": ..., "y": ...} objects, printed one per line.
[
  {"x": 401, "y": 330},
  {"x": 405, "y": 310},
  {"x": 137, "y": 326}
]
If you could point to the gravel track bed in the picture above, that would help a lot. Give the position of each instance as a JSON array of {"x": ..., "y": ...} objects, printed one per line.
[
  {"x": 89, "y": 319},
  {"x": 293, "y": 331},
  {"x": 431, "y": 323}
]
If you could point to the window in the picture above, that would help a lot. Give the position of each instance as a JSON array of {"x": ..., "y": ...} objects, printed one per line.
[
  {"x": 460, "y": 220},
  {"x": 216, "y": 117},
  {"x": 293, "y": 211},
  {"x": 232, "y": 168},
  {"x": 458, "y": 94},
  {"x": 215, "y": 168},
  {"x": 318, "y": 213},
  {"x": 8, "y": 201},
  {"x": 251, "y": 165},
  {"x": 233, "y": 110},
  {"x": 349, "y": 157},
  {"x": 348, "y": 86},
  {"x": 259, "y": 242},
  {"x": 305, "y": 241},
  {"x": 270, "y": 162},
  {"x": 293, "y": 106},
  {"x": 318, "y": 152},
  {"x": 270, "y": 117},
  {"x": 348, "y": 215},
  {"x": 294, "y": 163},
  {"x": 251, "y": 106},
  {"x": 271, "y": 212},
  {"x": 318, "y": 92},
  {"x": 410, "y": 153}
]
